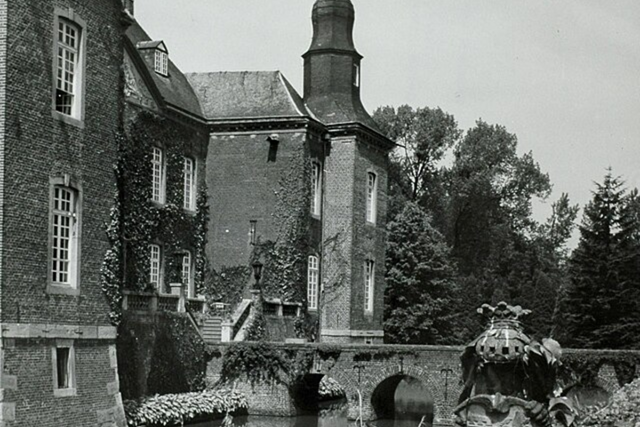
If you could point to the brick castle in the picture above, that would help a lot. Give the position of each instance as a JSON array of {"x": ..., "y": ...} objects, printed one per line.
[{"x": 225, "y": 168}]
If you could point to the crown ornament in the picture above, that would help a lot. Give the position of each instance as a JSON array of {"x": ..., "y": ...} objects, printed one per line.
[{"x": 503, "y": 312}]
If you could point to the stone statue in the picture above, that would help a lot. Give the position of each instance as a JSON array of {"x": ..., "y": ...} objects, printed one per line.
[{"x": 509, "y": 379}]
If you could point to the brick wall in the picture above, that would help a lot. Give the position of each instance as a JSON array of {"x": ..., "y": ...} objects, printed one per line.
[
  {"x": 348, "y": 164},
  {"x": 29, "y": 390},
  {"x": 338, "y": 265},
  {"x": 244, "y": 176},
  {"x": 369, "y": 239},
  {"x": 3, "y": 111},
  {"x": 38, "y": 147}
]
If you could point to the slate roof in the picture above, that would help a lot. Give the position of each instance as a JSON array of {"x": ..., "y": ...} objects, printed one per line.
[
  {"x": 174, "y": 88},
  {"x": 340, "y": 108},
  {"x": 246, "y": 94}
]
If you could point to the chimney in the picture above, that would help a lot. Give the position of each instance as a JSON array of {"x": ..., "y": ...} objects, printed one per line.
[{"x": 128, "y": 6}]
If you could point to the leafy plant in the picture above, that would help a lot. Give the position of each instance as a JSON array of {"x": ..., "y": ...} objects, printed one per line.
[
  {"x": 135, "y": 221},
  {"x": 175, "y": 409},
  {"x": 623, "y": 410}
]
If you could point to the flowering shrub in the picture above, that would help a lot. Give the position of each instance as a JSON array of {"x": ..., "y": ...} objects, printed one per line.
[
  {"x": 622, "y": 411},
  {"x": 175, "y": 409},
  {"x": 330, "y": 389}
]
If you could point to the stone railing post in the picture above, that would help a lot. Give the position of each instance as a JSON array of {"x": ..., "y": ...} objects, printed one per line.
[
  {"x": 125, "y": 300},
  {"x": 226, "y": 330},
  {"x": 178, "y": 289},
  {"x": 153, "y": 304}
]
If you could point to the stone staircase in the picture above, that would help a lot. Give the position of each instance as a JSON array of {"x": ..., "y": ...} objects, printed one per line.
[
  {"x": 221, "y": 326},
  {"x": 212, "y": 329}
]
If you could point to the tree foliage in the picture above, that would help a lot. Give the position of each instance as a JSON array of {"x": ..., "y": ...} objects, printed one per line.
[
  {"x": 419, "y": 299},
  {"x": 599, "y": 307},
  {"x": 481, "y": 202},
  {"x": 423, "y": 136}
]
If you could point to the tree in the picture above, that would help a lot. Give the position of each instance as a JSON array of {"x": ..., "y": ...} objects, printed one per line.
[
  {"x": 490, "y": 192},
  {"x": 499, "y": 249},
  {"x": 423, "y": 136},
  {"x": 600, "y": 305},
  {"x": 421, "y": 295}
]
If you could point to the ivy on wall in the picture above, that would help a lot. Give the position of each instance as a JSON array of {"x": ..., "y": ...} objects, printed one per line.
[
  {"x": 261, "y": 363},
  {"x": 284, "y": 258},
  {"x": 179, "y": 358},
  {"x": 136, "y": 221},
  {"x": 163, "y": 356},
  {"x": 582, "y": 368},
  {"x": 227, "y": 284},
  {"x": 257, "y": 329}
]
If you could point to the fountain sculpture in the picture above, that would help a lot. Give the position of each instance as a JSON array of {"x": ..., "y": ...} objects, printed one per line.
[{"x": 509, "y": 379}]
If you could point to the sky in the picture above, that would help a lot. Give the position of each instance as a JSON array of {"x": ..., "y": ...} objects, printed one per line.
[{"x": 564, "y": 76}]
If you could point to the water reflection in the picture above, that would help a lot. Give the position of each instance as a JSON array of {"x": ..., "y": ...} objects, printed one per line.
[
  {"x": 400, "y": 401},
  {"x": 333, "y": 414}
]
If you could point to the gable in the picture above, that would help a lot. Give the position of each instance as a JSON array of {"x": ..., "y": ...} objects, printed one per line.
[{"x": 135, "y": 88}]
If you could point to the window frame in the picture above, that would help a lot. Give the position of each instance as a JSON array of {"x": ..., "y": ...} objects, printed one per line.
[
  {"x": 72, "y": 286},
  {"x": 162, "y": 179},
  {"x": 316, "y": 188},
  {"x": 157, "y": 285},
  {"x": 190, "y": 202},
  {"x": 77, "y": 114},
  {"x": 371, "y": 209},
  {"x": 313, "y": 286},
  {"x": 71, "y": 389},
  {"x": 187, "y": 261},
  {"x": 369, "y": 285},
  {"x": 161, "y": 60}
]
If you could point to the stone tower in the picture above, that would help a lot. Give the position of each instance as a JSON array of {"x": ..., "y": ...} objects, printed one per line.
[{"x": 355, "y": 181}]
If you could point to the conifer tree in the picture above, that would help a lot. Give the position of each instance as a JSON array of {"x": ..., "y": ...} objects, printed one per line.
[
  {"x": 600, "y": 303},
  {"x": 420, "y": 294}
]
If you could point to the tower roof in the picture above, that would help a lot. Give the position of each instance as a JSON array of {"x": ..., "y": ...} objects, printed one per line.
[
  {"x": 333, "y": 26},
  {"x": 332, "y": 67}
]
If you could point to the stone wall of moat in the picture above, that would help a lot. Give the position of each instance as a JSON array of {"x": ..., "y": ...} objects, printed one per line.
[{"x": 361, "y": 369}]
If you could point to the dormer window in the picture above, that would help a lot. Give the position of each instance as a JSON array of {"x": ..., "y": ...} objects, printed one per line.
[{"x": 162, "y": 60}]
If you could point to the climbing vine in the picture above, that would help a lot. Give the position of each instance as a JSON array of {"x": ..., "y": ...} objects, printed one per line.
[
  {"x": 227, "y": 284},
  {"x": 136, "y": 222},
  {"x": 257, "y": 329},
  {"x": 582, "y": 368},
  {"x": 263, "y": 363},
  {"x": 285, "y": 258}
]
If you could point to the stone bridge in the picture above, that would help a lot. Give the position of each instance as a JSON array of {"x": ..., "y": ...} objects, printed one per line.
[{"x": 370, "y": 374}]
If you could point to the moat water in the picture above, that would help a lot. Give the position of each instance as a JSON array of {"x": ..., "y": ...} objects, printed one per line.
[
  {"x": 403, "y": 402},
  {"x": 333, "y": 414}
]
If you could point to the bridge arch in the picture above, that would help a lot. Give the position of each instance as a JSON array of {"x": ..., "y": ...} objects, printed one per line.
[
  {"x": 310, "y": 390},
  {"x": 403, "y": 397}
]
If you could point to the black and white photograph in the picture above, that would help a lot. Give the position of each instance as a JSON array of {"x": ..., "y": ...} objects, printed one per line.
[{"x": 319, "y": 213}]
